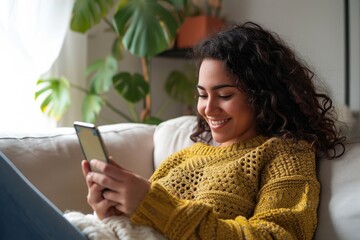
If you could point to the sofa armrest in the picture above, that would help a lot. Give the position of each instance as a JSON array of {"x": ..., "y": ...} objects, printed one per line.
[{"x": 51, "y": 159}]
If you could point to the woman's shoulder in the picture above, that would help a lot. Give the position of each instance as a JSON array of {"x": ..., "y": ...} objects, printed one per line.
[
  {"x": 282, "y": 140},
  {"x": 279, "y": 143},
  {"x": 285, "y": 157}
]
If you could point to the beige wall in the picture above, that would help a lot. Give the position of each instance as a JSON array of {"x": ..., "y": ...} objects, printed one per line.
[
  {"x": 314, "y": 28},
  {"x": 355, "y": 54}
]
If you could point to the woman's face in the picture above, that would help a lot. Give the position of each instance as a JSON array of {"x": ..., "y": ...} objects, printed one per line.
[{"x": 223, "y": 105}]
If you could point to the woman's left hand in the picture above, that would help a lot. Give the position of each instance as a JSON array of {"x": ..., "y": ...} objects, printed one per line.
[{"x": 122, "y": 186}]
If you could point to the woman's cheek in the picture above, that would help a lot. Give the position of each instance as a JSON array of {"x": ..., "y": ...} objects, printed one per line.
[{"x": 201, "y": 107}]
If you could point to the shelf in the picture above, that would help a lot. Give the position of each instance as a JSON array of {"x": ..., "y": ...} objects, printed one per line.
[{"x": 183, "y": 53}]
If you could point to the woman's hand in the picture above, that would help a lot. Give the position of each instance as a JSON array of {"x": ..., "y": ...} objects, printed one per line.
[
  {"x": 102, "y": 207},
  {"x": 121, "y": 188}
]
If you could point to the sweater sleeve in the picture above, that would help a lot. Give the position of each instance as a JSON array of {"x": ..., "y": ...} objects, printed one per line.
[{"x": 286, "y": 208}]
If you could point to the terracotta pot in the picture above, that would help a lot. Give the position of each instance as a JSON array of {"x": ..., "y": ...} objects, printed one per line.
[{"x": 197, "y": 28}]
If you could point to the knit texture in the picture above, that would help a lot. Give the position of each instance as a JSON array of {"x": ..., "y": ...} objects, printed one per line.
[{"x": 257, "y": 189}]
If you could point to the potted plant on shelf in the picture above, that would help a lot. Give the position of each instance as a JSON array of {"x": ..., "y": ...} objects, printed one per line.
[
  {"x": 202, "y": 19},
  {"x": 145, "y": 28}
]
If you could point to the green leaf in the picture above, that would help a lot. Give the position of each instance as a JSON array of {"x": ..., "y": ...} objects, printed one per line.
[
  {"x": 182, "y": 6},
  {"x": 91, "y": 107},
  {"x": 147, "y": 28},
  {"x": 87, "y": 13},
  {"x": 117, "y": 49},
  {"x": 132, "y": 87},
  {"x": 102, "y": 72},
  {"x": 54, "y": 94},
  {"x": 153, "y": 120},
  {"x": 180, "y": 87},
  {"x": 121, "y": 4},
  {"x": 179, "y": 4}
]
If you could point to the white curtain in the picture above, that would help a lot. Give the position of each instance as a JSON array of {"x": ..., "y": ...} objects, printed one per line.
[
  {"x": 72, "y": 63},
  {"x": 31, "y": 36}
]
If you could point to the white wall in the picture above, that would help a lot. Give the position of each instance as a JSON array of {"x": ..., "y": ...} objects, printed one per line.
[
  {"x": 314, "y": 28},
  {"x": 355, "y": 54},
  {"x": 72, "y": 63}
]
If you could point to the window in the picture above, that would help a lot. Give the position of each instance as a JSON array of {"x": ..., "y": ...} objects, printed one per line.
[{"x": 31, "y": 35}]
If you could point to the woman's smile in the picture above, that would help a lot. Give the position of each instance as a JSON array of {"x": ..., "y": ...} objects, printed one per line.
[{"x": 217, "y": 123}]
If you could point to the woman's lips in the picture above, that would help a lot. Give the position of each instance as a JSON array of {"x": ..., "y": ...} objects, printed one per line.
[{"x": 217, "y": 123}]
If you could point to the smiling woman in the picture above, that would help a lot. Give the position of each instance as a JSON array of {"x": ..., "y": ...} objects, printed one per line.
[
  {"x": 258, "y": 100},
  {"x": 31, "y": 36}
]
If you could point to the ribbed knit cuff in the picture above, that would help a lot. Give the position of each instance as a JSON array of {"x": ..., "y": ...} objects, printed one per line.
[
  {"x": 157, "y": 208},
  {"x": 169, "y": 215}
]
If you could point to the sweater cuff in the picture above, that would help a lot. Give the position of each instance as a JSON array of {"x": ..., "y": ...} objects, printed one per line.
[{"x": 158, "y": 209}]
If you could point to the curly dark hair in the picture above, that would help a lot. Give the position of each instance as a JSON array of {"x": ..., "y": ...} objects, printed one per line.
[{"x": 279, "y": 87}]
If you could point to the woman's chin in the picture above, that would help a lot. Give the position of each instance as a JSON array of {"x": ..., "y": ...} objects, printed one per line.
[{"x": 221, "y": 140}]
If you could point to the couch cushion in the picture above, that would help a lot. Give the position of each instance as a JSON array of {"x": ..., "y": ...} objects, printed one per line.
[
  {"x": 131, "y": 145},
  {"x": 339, "y": 209},
  {"x": 51, "y": 159}
]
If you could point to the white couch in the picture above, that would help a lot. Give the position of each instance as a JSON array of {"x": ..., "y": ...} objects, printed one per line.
[{"x": 51, "y": 161}]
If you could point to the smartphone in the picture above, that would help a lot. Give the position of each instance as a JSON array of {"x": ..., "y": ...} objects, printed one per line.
[{"x": 91, "y": 142}]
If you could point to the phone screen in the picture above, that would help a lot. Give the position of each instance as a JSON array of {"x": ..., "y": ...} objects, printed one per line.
[{"x": 91, "y": 142}]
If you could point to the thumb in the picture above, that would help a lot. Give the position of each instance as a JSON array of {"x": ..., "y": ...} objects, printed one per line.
[{"x": 112, "y": 162}]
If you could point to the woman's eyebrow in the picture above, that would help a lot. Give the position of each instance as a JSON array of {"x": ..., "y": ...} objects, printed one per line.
[{"x": 216, "y": 87}]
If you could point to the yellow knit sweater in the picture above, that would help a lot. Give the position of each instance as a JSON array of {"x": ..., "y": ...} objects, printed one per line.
[{"x": 258, "y": 189}]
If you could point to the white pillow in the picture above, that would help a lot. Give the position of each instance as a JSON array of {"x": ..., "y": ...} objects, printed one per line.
[{"x": 171, "y": 136}]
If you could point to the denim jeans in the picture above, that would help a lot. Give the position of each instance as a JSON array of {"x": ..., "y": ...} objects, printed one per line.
[{"x": 25, "y": 213}]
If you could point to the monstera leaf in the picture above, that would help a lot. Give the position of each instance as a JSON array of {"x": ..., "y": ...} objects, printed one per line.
[
  {"x": 181, "y": 87},
  {"x": 153, "y": 120},
  {"x": 91, "y": 107},
  {"x": 146, "y": 27},
  {"x": 55, "y": 96},
  {"x": 87, "y": 13},
  {"x": 132, "y": 87},
  {"x": 102, "y": 72}
]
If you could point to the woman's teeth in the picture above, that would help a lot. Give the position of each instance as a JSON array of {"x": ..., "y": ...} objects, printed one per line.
[{"x": 218, "y": 122}]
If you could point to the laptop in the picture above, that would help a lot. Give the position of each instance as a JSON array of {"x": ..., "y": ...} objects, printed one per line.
[{"x": 25, "y": 213}]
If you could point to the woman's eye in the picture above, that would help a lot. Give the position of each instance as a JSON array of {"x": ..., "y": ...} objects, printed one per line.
[
  {"x": 225, "y": 96},
  {"x": 201, "y": 95}
]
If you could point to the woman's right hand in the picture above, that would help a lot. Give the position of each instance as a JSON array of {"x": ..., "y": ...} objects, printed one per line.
[{"x": 102, "y": 207}]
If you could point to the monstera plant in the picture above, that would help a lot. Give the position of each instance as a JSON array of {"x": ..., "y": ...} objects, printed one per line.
[{"x": 144, "y": 28}]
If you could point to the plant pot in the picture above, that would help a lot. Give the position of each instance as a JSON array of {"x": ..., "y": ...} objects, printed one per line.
[{"x": 194, "y": 29}]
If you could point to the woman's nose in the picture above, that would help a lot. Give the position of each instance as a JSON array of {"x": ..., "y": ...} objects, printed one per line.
[{"x": 211, "y": 107}]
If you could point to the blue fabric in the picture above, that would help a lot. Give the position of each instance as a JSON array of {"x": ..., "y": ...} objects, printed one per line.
[{"x": 25, "y": 213}]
